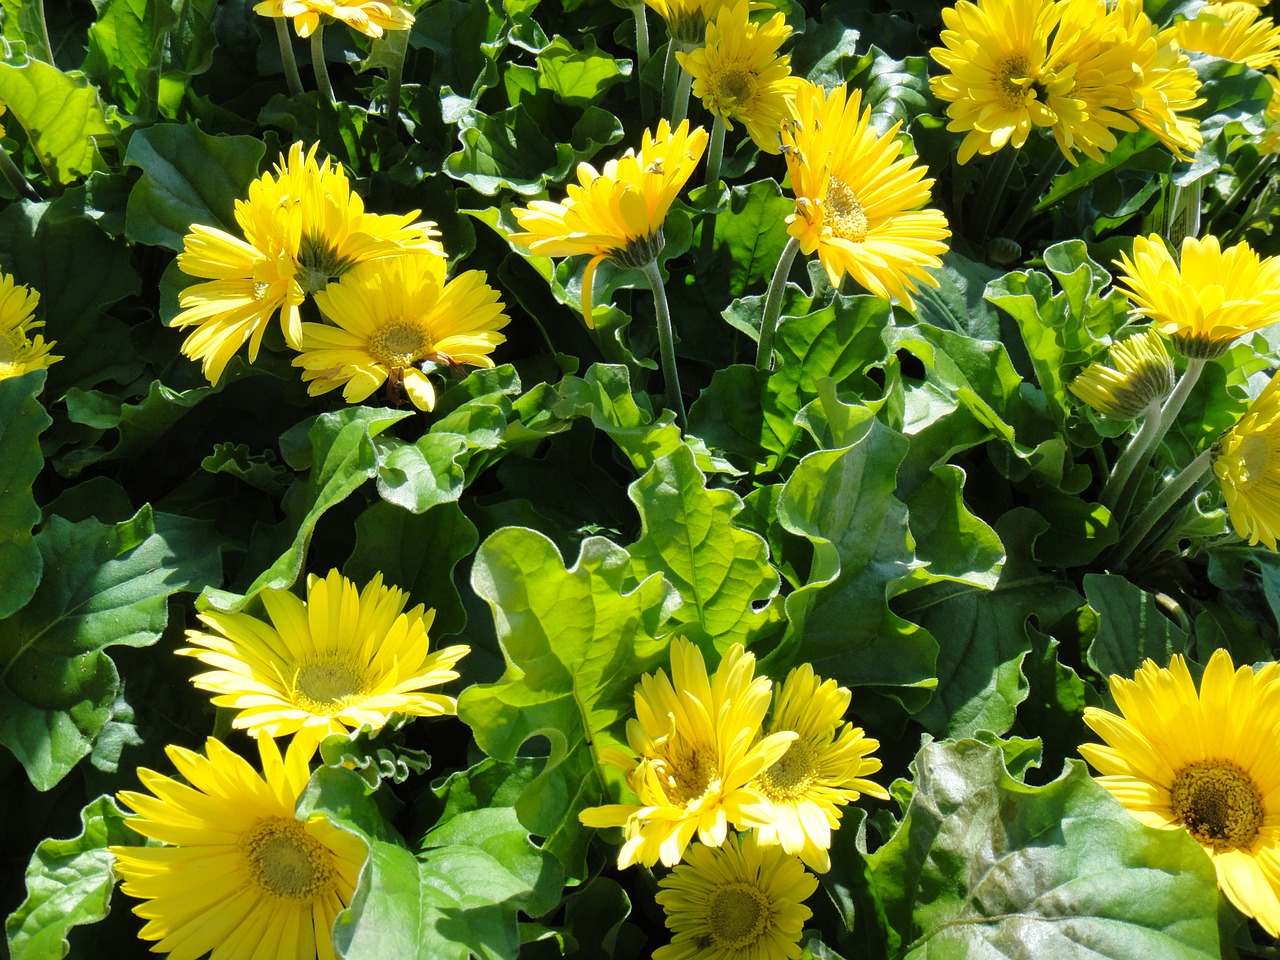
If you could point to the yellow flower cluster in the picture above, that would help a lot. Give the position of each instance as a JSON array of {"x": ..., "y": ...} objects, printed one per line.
[
  {"x": 1081, "y": 68},
  {"x": 379, "y": 281},
  {"x": 370, "y": 17}
]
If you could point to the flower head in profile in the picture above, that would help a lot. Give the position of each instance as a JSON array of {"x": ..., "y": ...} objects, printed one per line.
[
  {"x": 697, "y": 748},
  {"x": 370, "y": 17},
  {"x": 1203, "y": 762},
  {"x": 1234, "y": 31},
  {"x": 1246, "y": 461},
  {"x": 238, "y": 873},
  {"x": 686, "y": 20},
  {"x": 303, "y": 227},
  {"x": 392, "y": 319},
  {"x": 1169, "y": 87},
  {"x": 342, "y": 658},
  {"x": 1209, "y": 300},
  {"x": 1142, "y": 375},
  {"x": 857, "y": 200},
  {"x": 616, "y": 212},
  {"x": 739, "y": 75},
  {"x": 824, "y": 768},
  {"x": 20, "y": 352},
  {"x": 738, "y": 901}
]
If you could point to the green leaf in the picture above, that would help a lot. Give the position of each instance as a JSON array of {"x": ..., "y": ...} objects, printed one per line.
[
  {"x": 688, "y": 535},
  {"x": 140, "y": 425},
  {"x": 69, "y": 883},
  {"x": 576, "y": 643},
  {"x": 188, "y": 177},
  {"x": 1131, "y": 627},
  {"x": 61, "y": 114},
  {"x": 579, "y": 77},
  {"x": 896, "y": 90},
  {"x": 418, "y": 476},
  {"x": 985, "y": 866},
  {"x": 126, "y": 49},
  {"x": 22, "y": 420},
  {"x": 751, "y": 234},
  {"x": 102, "y": 585}
]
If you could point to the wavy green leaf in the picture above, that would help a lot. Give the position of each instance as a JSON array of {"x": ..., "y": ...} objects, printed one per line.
[
  {"x": 62, "y": 115},
  {"x": 22, "y": 420},
  {"x": 1131, "y": 627}
]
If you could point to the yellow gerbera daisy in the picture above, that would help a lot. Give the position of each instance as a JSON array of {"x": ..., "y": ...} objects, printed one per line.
[
  {"x": 697, "y": 749},
  {"x": 823, "y": 769},
  {"x": 616, "y": 212},
  {"x": 1204, "y": 763},
  {"x": 370, "y": 17},
  {"x": 1233, "y": 31},
  {"x": 19, "y": 352},
  {"x": 392, "y": 317},
  {"x": 1246, "y": 462},
  {"x": 687, "y": 19},
  {"x": 1142, "y": 376},
  {"x": 303, "y": 228},
  {"x": 1203, "y": 305},
  {"x": 856, "y": 200},
  {"x": 1169, "y": 87},
  {"x": 239, "y": 874},
  {"x": 342, "y": 658},
  {"x": 738, "y": 901},
  {"x": 738, "y": 74}
]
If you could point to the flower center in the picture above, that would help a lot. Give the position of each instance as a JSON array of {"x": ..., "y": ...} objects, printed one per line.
[
  {"x": 1013, "y": 80},
  {"x": 734, "y": 88},
  {"x": 845, "y": 213},
  {"x": 737, "y": 916},
  {"x": 326, "y": 686},
  {"x": 319, "y": 263},
  {"x": 690, "y": 776},
  {"x": 399, "y": 344},
  {"x": 792, "y": 774},
  {"x": 286, "y": 861},
  {"x": 1218, "y": 803}
]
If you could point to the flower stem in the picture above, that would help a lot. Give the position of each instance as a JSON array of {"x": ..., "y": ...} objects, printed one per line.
[
  {"x": 666, "y": 341},
  {"x": 670, "y": 67},
  {"x": 1194, "y": 473},
  {"x": 992, "y": 192},
  {"x": 395, "y": 77},
  {"x": 318, "y": 64},
  {"x": 715, "y": 152},
  {"x": 1139, "y": 444},
  {"x": 15, "y": 177},
  {"x": 680, "y": 109},
  {"x": 285, "y": 38},
  {"x": 1031, "y": 196},
  {"x": 773, "y": 305},
  {"x": 642, "y": 52},
  {"x": 44, "y": 36},
  {"x": 1242, "y": 189}
]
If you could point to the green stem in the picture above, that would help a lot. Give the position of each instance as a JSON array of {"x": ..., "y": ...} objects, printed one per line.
[
  {"x": 1139, "y": 444},
  {"x": 44, "y": 36},
  {"x": 1167, "y": 498},
  {"x": 715, "y": 152},
  {"x": 318, "y": 64},
  {"x": 773, "y": 305},
  {"x": 666, "y": 341},
  {"x": 1242, "y": 189},
  {"x": 15, "y": 177},
  {"x": 285, "y": 38},
  {"x": 670, "y": 67},
  {"x": 1031, "y": 196},
  {"x": 1260, "y": 202},
  {"x": 395, "y": 77},
  {"x": 680, "y": 109},
  {"x": 992, "y": 192},
  {"x": 642, "y": 52}
]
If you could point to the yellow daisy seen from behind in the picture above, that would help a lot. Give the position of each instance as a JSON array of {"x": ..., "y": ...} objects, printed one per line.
[
  {"x": 738, "y": 75},
  {"x": 1203, "y": 762},
  {"x": 342, "y": 658},
  {"x": 697, "y": 748},
  {"x": 238, "y": 873},
  {"x": 857, "y": 200},
  {"x": 20, "y": 352},
  {"x": 738, "y": 901},
  {"x": 824, "y": 768},
  {"x": 1246, "y": 461},
  {"x": 370, "y": 17},
  {"x": 1209, "y": 299},
  {"x": 390, "y": 321},
  {"x": 686, "y": 20},
  {"x": 616, "y": 212},
  {"x": 1142, "y": 375}
]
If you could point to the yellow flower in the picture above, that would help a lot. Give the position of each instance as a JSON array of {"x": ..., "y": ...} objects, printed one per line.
[
  {"x": 739, "y": 901},
  {"x": 1246, "y": 462},
  {"x": 856, "y": 200},
  {"x": 1204, "y": 763},
  {"x": 19, "y": 352},
  {"x": 239, "y": 873},
  {"x": 738, "y": 75},
  {"x": 370, "y": 17},
  {"x": 616, "y": 212},
  {"x": 822, "y": 770},
  {"x": 1169, "y": 88},
  {"x": 303, "y": 227},
  {"x": 393, "y": 317},
  {"x": 1233, "y": 31},
  {"x": 687, "y": 19},
  {"x": 1270, "y": 142},
  {"x": 1142, "y": 376},
  {"x": 1203, "y": 305},
  {"x": 342, "y": 658},
  {"x": 697, "y": 749}
]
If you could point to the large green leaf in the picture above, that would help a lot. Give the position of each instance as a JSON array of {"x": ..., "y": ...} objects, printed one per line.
[
  {"x": 22, "y": 420},
  {"x": 986, "y": 866},
  {"x": 62, "y": 115},
  {"x": 579, "y": 77},
  {"x": 688, "y": 535},
  {"x": 750, "y": 235},
  {"x": 102, "y": 585},
  {"x": 126, "y": 50},
  {"x": 138, "y": 425},
  {"x": 69, "y": 883},
  {"x": 576, "y": 643},
  {"x": 1131, "y": 627}
]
